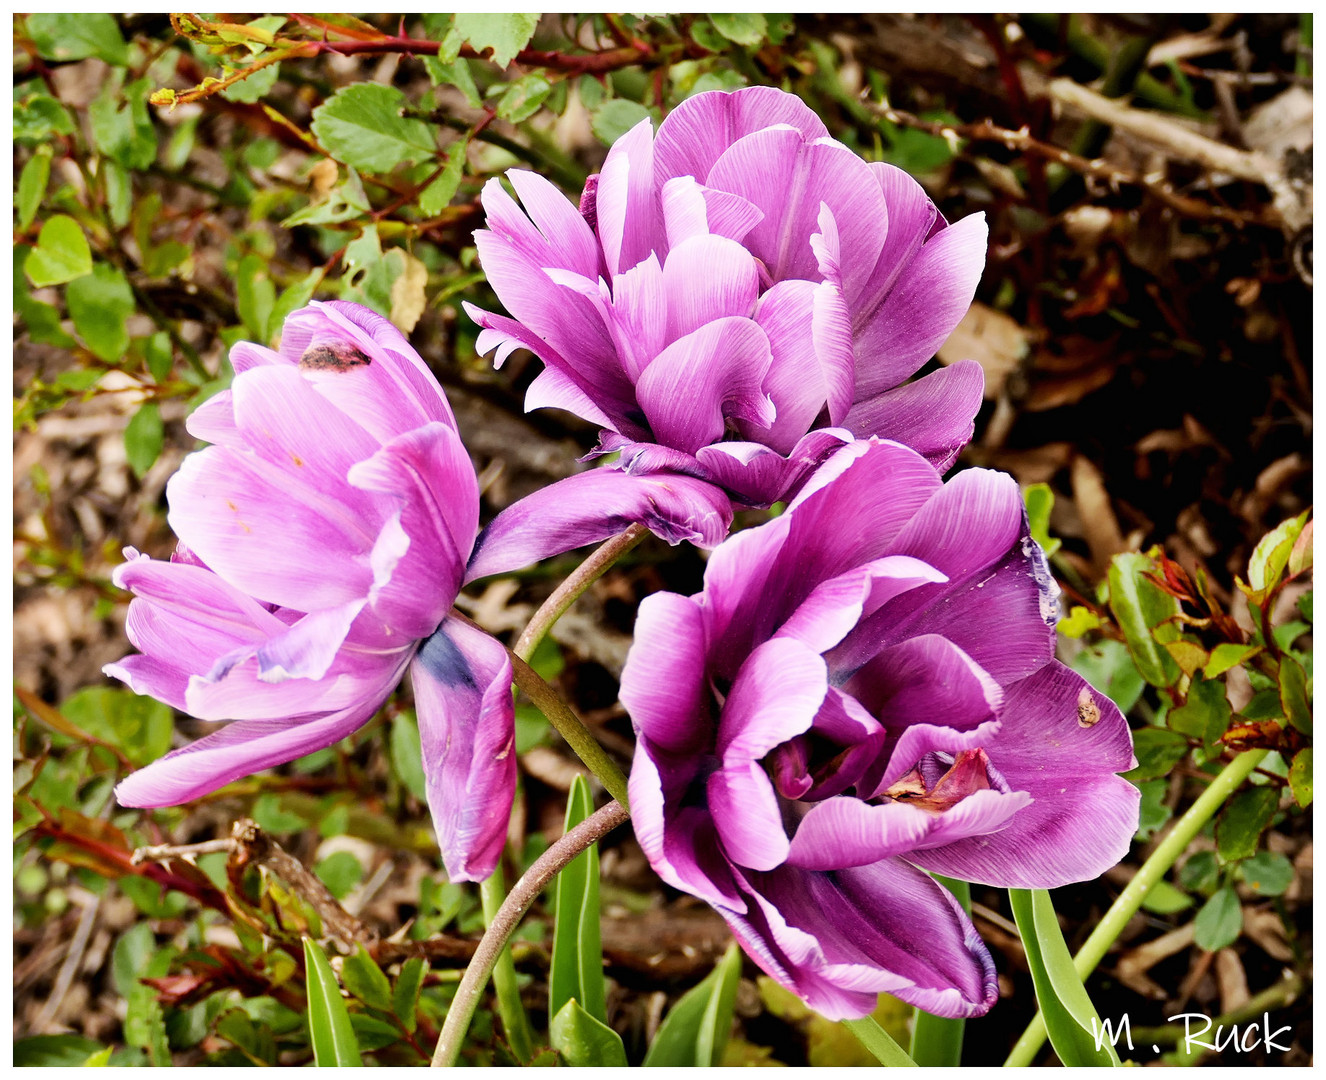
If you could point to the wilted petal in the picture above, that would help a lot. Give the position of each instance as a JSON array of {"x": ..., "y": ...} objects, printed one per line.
[
  {"x": 594, "y": 505},
  {"x": 462, "y": 691}
]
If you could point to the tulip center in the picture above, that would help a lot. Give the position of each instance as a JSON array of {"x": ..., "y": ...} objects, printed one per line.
[{"x": 933, "y": 788}]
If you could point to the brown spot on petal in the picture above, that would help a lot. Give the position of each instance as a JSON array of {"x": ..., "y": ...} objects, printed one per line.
[
  {"x": 333, "y": 356},
  {"x": 1088, "y": 712}
]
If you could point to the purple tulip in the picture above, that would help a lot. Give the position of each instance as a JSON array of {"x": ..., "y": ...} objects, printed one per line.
[
  {"x": 734, "y": 300},
  {"x": 323, "y": 538},
  {"x": 866, "y": 690}
]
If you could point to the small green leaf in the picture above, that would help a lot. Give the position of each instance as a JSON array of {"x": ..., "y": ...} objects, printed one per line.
[
  {"x": 1039, "y": 499},
  {"x": 747, "y": 28},
  {"x": 159, "y": 356},
  {"x": 1165, "y": 899},
  {"x": 372, "y": 1033},
  {"x": 1190, "y": 656},
  {"x": 407, "y": 755},
  {"x": 144, "y": 437},
  {"x": 1305, "y": 605},
  {"x": 1200, "y": 873},
  {"x": 39, "y": 116},
  {"x": 272, "y": 817},
  {"x": 66, "y": 36},
  {"x": 1140, "y": 608},
  {"x": 1271, "y": 555},
  {"x": 362, "y": 126},
  {"x": 1267, "y": 873},
  {"x": 52, "y": 1051},
  {"x": 1108, "y": 667},
  {"x": 252, "y": 88},
  {"x": 1078, "y": 622},
  {"x": 255, "y": 295},
  {"x": 879, "y": 1042},
  {"x": 1220, "y": 922},
  {"x": 1228, "y": 655},
  {"x": 405, "y": 998},
  {"x": 1300, "y": 777},
  {"x": 696, "y": 1029},
  {"x": 1205, "y": 714},
  {"x": 100, "y": 304},
  {"x": 1294, "y": 694},
  {"x": 1242, "y": 822},
  {"x": 583, "y": 1040},
  {"x": 122, "y": 126},
  {"x": 457, "y": 74},
  {"x": 524, "y": 98},
  {"x": 1152, "y": 813},
  {"x": 1158, "y": 751},
  {"x": 32, "y": 183},
  {"x": 333, "y": 1037},
  {"x": 1070, "y": 1018},
  {"x": 293, "y": 297},
  {"x": 441, "y": 191},
  {"x": 614, "y": 118},
  {"x": 340, "y": 872},
  {"x": 138, "y": 725},
  {"x": 506, "y": 34},
  {"x": 365, "y": 980},
  {"x": 62, "y": 253},
  {"x": 577, "y": 953}
]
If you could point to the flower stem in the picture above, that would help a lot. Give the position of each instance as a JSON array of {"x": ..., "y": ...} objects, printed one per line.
[
  {"x": 937, "y": 1040},
  {"x": 514, "y": 1021},
  {"x": 571, "y": 728},
  {"x": 1153, "y": 871},
  {"x": 508, "y": 916},
  {"x": 580, "y": 579}
]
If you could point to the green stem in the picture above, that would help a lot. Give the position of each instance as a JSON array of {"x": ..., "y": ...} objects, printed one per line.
[
  {"x": 937, "y": 1040},
  {"x": 571, "y": 728},
  {"x": 570, "y": 590},
  {"x": 1152, "y": 872},
  {"x": 879, "y": 1042},
  {"x": 507, "y": 917},
  {"x": 509, "y": 1007}
]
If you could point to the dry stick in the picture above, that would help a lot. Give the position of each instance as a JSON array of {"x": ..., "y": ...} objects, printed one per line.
[
  {"x": 518, "y": 901},
  {"x": 1022, "y": 142}
]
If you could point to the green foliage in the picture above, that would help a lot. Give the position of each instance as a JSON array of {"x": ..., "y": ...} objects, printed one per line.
[
  {"x": 332, "y": 1035},
  {"x": 1143, "y": 611},
  {"x": 62, "y": 253},
  {"x": 584, "y": 1041},
  {"x": 696, "y": 1029},
  {"x": 100, "y": 303},
  {"x": 77, "y": 36},
  {"x": 577, "y": 954},
  {"x": 1245, "y": 817},
  {"x": 362, "y": 126},
  {"x": 505, "y": 34},
  {"x": 1220, "y": 922},
  {"x": 1267, "y": 873}
]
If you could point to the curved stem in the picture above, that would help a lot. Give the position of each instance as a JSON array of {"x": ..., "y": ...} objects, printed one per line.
[
  {"x": 1152, "y": 872},
  {"x": 580, "y": 579},
  {"x": 571, "y": 728},
  {"x": 514, "y": 1021},
  {"x": 504, "y": 922}
]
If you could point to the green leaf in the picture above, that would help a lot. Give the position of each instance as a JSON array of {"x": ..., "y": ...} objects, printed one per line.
[
  {"x": 440, "y": 192},
  {"x": 1244, "y": 819},
  {"x": 1271, "y": 555},
  {"x": 1165, "y": 899},
  {"x": 292, "y": 298},
  {"x": 748, "y": 28},
  {"x": 577, "y": 953},
  {"x": 457, "y": 73},
  {"x": 583, "y": 1040},
  {"x": 62, "y": 253},
  {"x": 614, "y": 118},
  {"x": 1039, "y": 500},
  {"x": 100, "y": 304},
  {"x": 505, "y": 34},
  {"x": 134, "y": 958},
  {"x": 1294, "y": 694},
  {"x": 879, "y": 1042},
  {"x": 1305, "y": 605},
  {"x": 252, "y": 88},
  {"x": 1140, "y": 608},
  {"x": 405, "y": 998},
  {"x": 1228, "y": 655},
  {"x": 524, "y": 98},
  {"x": 1108, "y": 667},
  {"x": 369, "y": 273},
  {"x": 67, "y": 36},
  {"x": 696, "y": 1029},
  {"x": 1220, "y": 922},
  {"x": 341, "y": 204},
  {"x": 272, "y": 817},
  {"x": 1267, "y": 873},
  {"x": 365, "y": 980},
  {"x": 32, "y": 183},
  {"x": 362, "y": 126},
  {"x": 372, "y": 1033},
  {"x": 1205, "y": 714},
  {"x": 1200, "y": 873},
  {"x": 122, "y": 129},
  {"x": 407, "y": 755},
  {"x": 50, "y": 1051},
  {"x": 340, "y": 872},
  {"x": 1070, "y": 1018},
  {"x": 138, "y": 725},
  {"x": 1158, "y": 751},
  {"x": 1300, "y": 777},
  {"x": 1078, "y": 622},
  {"x": 255, "y": 295},
  {"x": 333, "y": 1037},
  {"x": 159, "y": 356},
  {"x": 144, "y": 436},
  {"x": 39, "y": 116},
  {"x": 1152, "y": 813}
]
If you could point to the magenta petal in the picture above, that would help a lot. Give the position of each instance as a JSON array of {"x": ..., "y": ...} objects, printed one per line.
[
  {"x": 707, "y": 278},
  {"x": 744, "y": 809},
  {"x": 462, "y": 691},
  {"x": 697, "y": 131},
  {"x": 570, "y": 242},
  {"x": 1083, "y": 817},
  {"x": 757, "y": 475},
  {"x": 715, "y": 372},
  {"x": 663, "y": 685},
  {"x": 935, "y": 415},
  {"x": 214, "y": 421},
  {"x": 775, "y": 697},
  {"x": 594, "y": 505},
  {"x": 625, "y": 206}
]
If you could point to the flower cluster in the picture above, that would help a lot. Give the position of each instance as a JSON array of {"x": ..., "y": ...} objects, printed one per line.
[{"x": 865, "y": 690}]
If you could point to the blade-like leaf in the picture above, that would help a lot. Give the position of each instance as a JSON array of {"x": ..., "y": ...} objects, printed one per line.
[
  {"x": 1070, "y": 1018},
  {"x": 584, "y": 1041},
  {"x": 695, "y": 1031},
  {"x": 405, "y": 998},
  {"x": 334, "y": 1042},
  {"x": 365, "y": 980},
  {"x": 879, "y": 1042},
  {"x": 1141, "y": 608},
  {"x": 577, "y": 953}
]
